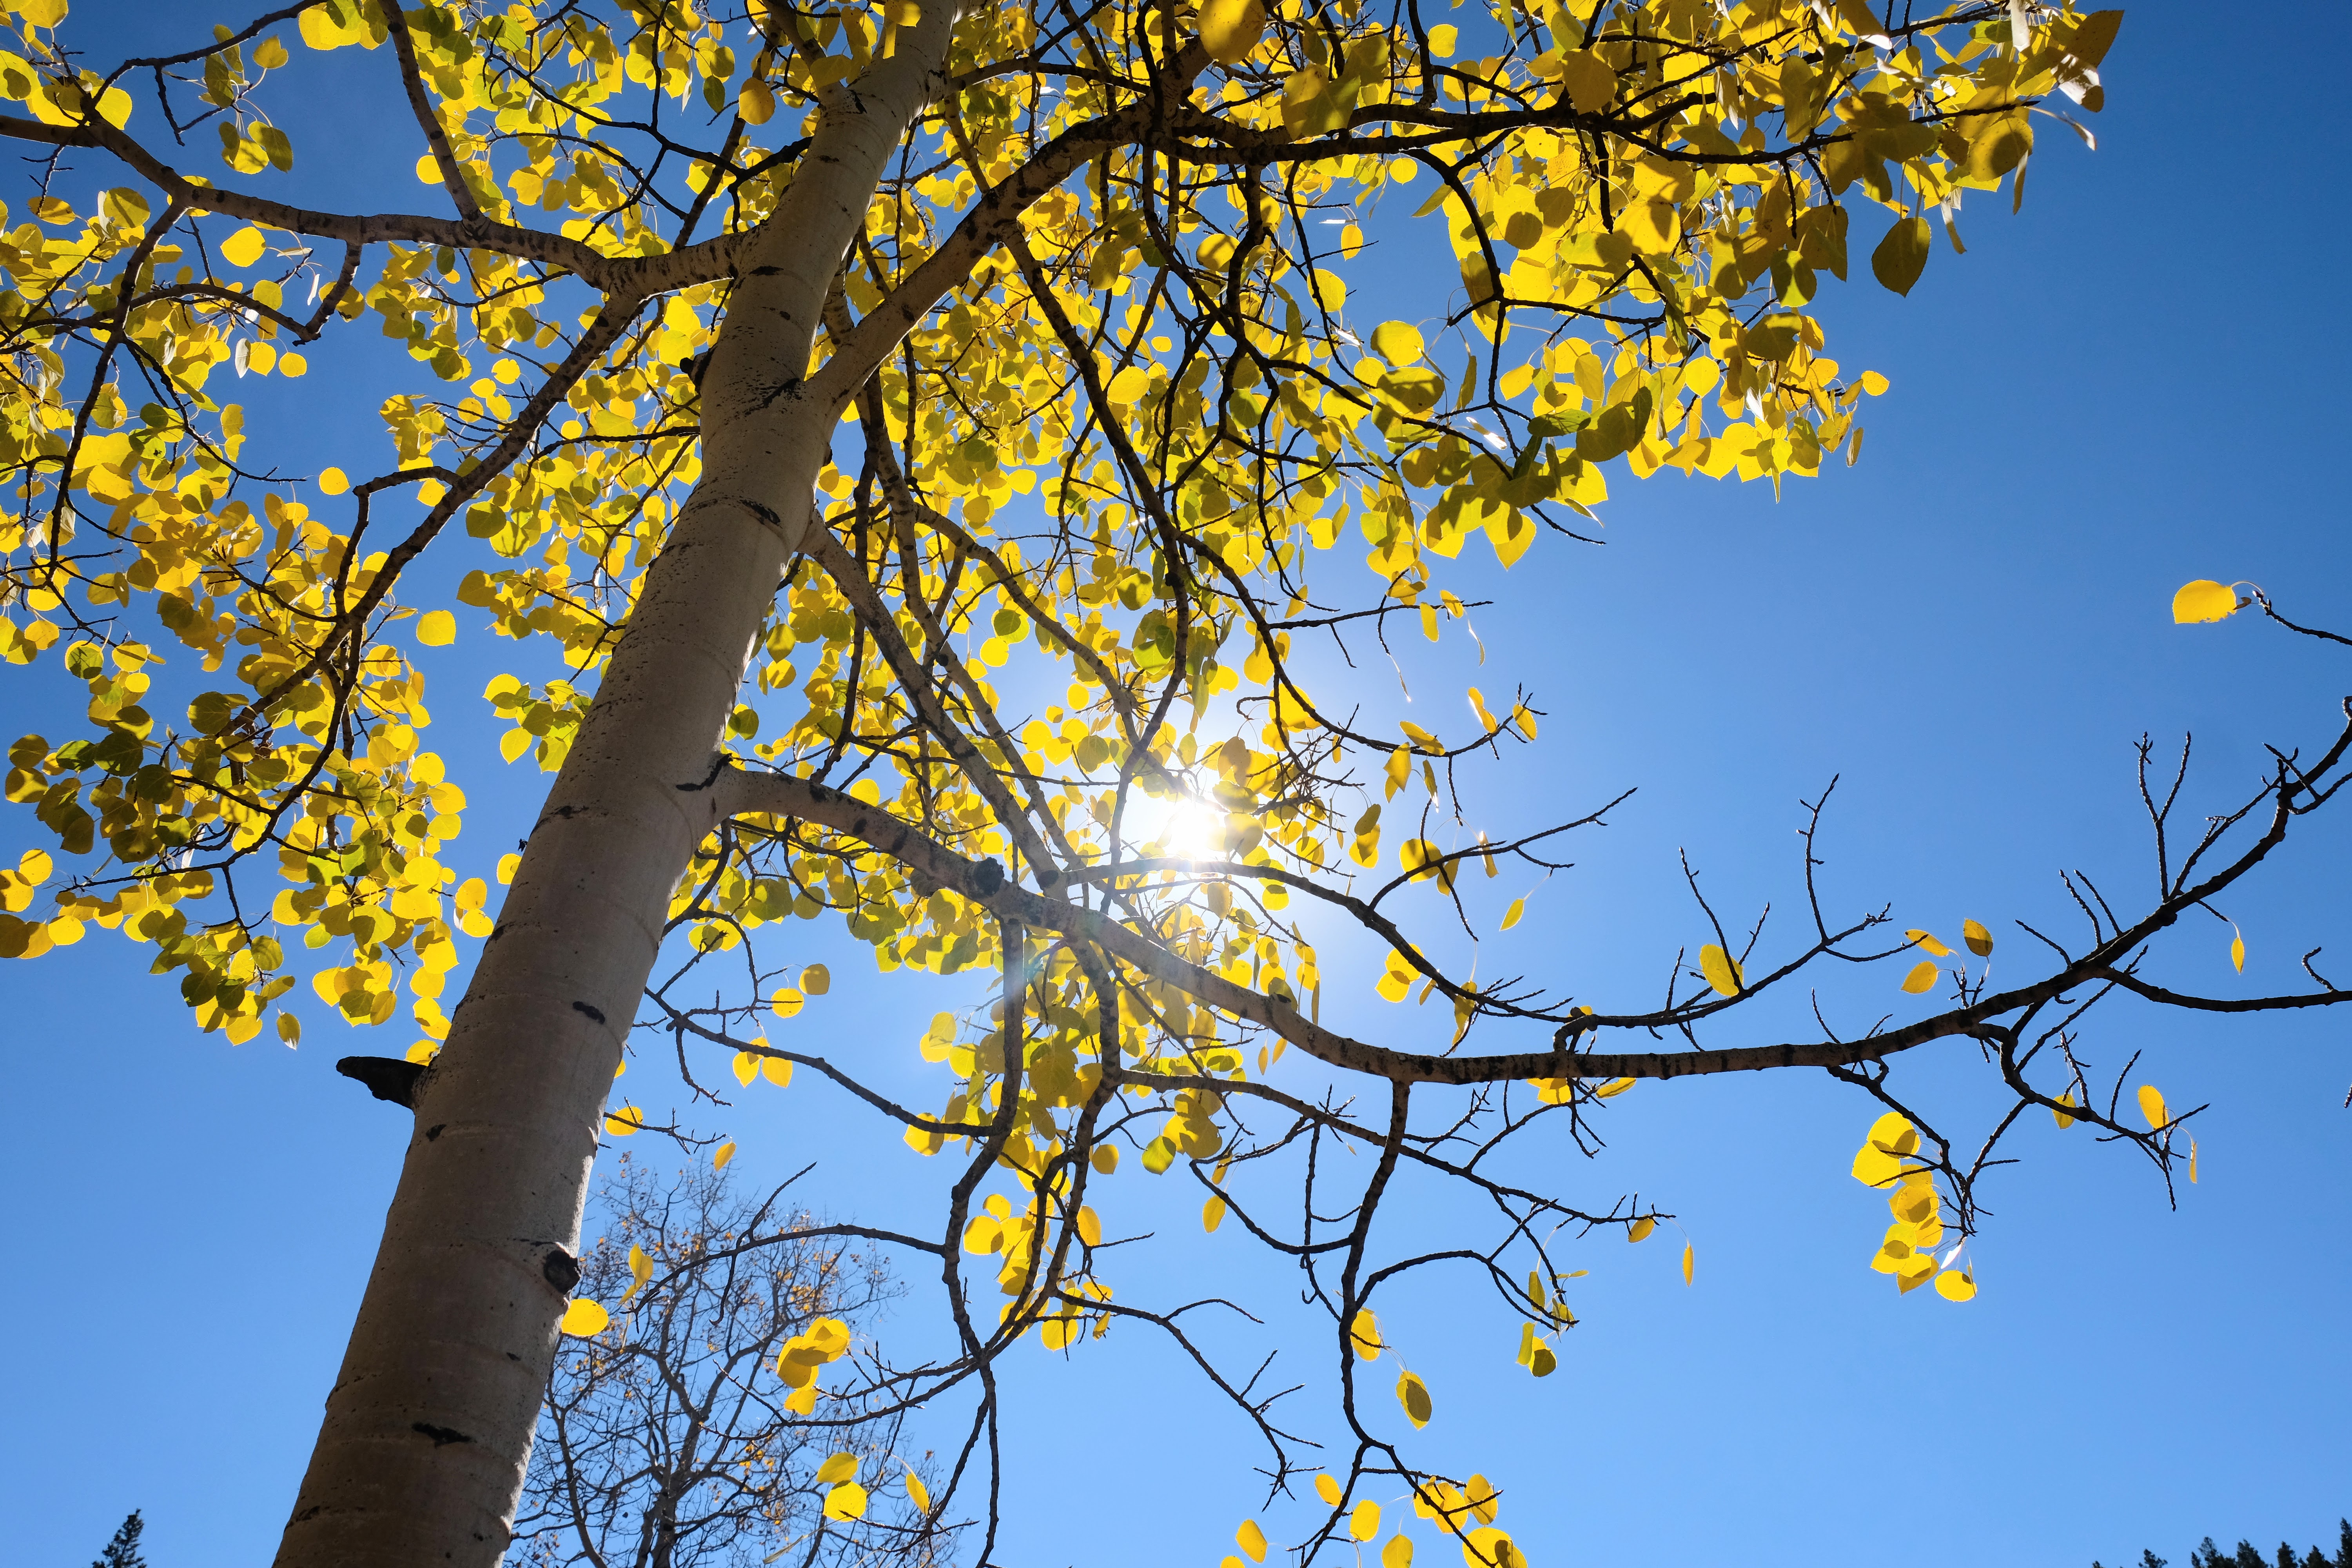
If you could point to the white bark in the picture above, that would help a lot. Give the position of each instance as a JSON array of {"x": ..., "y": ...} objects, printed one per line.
[{"x": 427, "y": 1431}]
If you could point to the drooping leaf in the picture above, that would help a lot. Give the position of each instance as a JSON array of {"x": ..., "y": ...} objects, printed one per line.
[
  {"x": 1902, "y": 256},
  {"x": 1413, "y": 1394}
]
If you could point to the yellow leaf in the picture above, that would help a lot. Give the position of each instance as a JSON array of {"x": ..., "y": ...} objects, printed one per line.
[
  {"x": 756, "y": 103},
  {"x": 839, "y": 1467},
  {"x": 786, "y": 1002},
  {"x": 1928, "y": 943},
  {"x": 1923, "y": 975},
  {"x": 817, "y": 980},
  {"x": 584, "y": 1319},
  {"x": 41, "y": 13},
  {"x": 333, "y": 482},
  {"x": 1230, "y": 29},
  {"x": 917, "y": 1493},
  {"x": 2064, "y": 1121},
  {"x": 1511, "y": 916},
  {"x": 1328, "y": 1491},
  {"x": 1614, "y": 1087},
  {"x": 1979, "y": 940},
  {"x": 436, "y": 628},
  {"x": 2151, "y": 1105},
  {"x": 242, "y": 248},
  {"x": 1689, "y": 1259},
  {"x": 1399, "y": 342},
  {"x": 1956, "y": 1285},
  {"x": 625, "y": 1121},
  {"x": 1478, "y": 706},
  {"x": 1490, "y": 1548},
  {"x": 1642, "y": 1228},
  {"x": 2192, "y": 1161},
  {"x": 1398, "y": 1552},
  {"x": 1413, "y": 1394},
  {"x": 747, "y": 1068},
  {"x": 2204, "y": 600},
  {"x": 1364, "y": 1524},
  {"x": 1212, "y": 1214},
  {"x": 846, "y": 1501},
  {"x": 1902, "y": 256},
  {"x": 1588, "y": 80},
  {"x": 2237, "y": 950},
  {"x": 1722, "y": 970},
  {"x": 1894, "y": 1133},
  {"x": 719, "y": 1156},
  {"x": 1364, "y": 1333},
  {"x": 1252, "y": 1539},
  {"x": 641, "y": 1271},
  {"x": 776, "y": 1071}
]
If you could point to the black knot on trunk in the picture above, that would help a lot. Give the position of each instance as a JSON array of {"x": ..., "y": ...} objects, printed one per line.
[
  {"x": 384, "y": 1077},
  {"x": 563, "y": 1270}
]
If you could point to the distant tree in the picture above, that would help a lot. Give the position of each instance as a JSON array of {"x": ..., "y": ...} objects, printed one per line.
[
  {"x": 682, "y": 1430},
  {"x": 2209, "y": 1556},
  {"x": 122, "y": 1551}
]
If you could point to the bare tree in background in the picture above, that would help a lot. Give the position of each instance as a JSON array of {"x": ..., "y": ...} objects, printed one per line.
[{"x": 672, "y": 1438}]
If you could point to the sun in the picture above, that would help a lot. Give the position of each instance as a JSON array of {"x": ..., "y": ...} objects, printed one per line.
[{"x": 1185, "y": 828}]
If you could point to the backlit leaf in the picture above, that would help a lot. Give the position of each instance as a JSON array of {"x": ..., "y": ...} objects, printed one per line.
[
  {"x": 1640, "y": 1228},
  {"x": 1902, "y": 256},
  {"x": 2237, "y": 950},
  {"x": 242, "y": 248},
  {"x": 1722, "y": 970},
  {"x": 436, "y": 628},
  {"x": 1398, "y": 1552},
  {"x": 1511, "y": 916},
  {"x": 584, "y": 1319},
  {"x": 1413, "y": 1394},
  {"x": 1689, "y": 1260},
  {"x": 2063, "y": 1119},
  {"x": 1399, "y": 342},
  {"x": 2151, "y": 1105},
  {"x": 917, "y": 1493},
  {"x": 2204, "y": 600},
  {"x": 1230, "y": 29},
  {"x": 720, "y": 1155},
  {"x": 1364, "y": 1522},
  {"x": 846, "y": 1501},
  {"x": 1979, "y": 940},
  {"x": 1956, "y": 1285},
  {"x": 1922, "y": 977},
  {"x": 1364, "y": 1333},
  {"x": 1328, "y": 1488},
  {"x": 1928, "y": 943},
  {"x": 1252, "y": 1539}
]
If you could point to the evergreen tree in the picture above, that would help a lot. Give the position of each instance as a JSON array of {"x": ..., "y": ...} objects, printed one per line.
[
  {"x": 122, "y": 1551},
  {"x": 2150, "y": 1560},
  {"x": 2207, "y": 1555}
]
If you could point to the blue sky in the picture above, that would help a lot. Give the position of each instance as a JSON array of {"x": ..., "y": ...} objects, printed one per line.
[{"x": 2110, "y": 394}]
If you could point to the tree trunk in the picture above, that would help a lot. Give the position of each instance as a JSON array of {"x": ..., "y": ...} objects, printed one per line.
[{"x": 427, "y": 1431}]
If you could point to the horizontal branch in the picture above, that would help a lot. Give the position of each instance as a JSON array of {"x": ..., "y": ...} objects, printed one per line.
[{"x": 984, "y": 883}]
